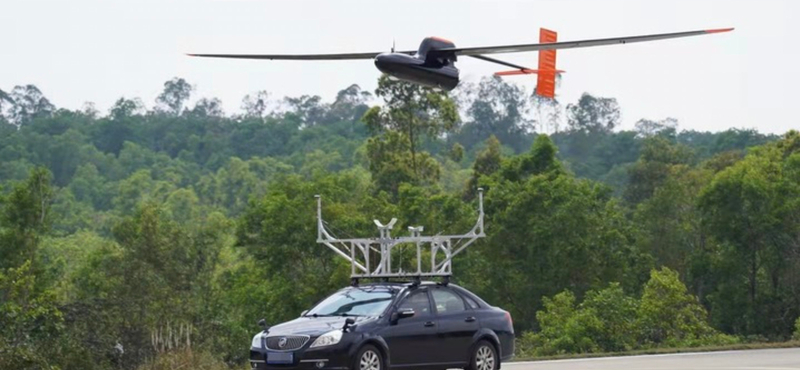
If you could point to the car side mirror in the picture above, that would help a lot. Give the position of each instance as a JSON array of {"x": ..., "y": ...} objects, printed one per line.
[
  {"x": 263, "y": 324},
  {"x": 402, "y": 314},
  {"x": 348, "y": 324},
  {"x": 303, "y": 313}
]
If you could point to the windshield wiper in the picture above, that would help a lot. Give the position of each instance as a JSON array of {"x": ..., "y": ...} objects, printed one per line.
[{"x": 343, "y": 314}]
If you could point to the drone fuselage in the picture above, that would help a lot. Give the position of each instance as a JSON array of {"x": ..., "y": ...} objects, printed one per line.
[
  {"x": 413, "y": 69},
  {"x": 426, "y": 67}
]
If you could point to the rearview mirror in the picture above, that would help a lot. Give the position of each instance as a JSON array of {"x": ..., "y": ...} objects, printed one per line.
[
  {"x": 401, "y": 314},
  {"x": 263, "y": 324},
  {"x": 406, "y": 312}
]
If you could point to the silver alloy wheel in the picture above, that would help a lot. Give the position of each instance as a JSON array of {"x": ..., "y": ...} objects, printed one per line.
[
  {"x": 370, "y": 361},
  {"x": 484, "y": 359}
]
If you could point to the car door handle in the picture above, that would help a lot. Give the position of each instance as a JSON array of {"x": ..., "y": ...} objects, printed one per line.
[
  {"x": 470, "y": 319},
  {"x": 429, "y": 324}
]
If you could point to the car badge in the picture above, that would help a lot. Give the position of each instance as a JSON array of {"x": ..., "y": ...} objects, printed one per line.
[{"x": 282, "y": 342}]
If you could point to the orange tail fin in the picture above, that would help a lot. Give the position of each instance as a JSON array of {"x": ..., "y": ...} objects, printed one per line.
[
  {"x": 547, "y": 72},
  {"x": 546, "y": 81}
]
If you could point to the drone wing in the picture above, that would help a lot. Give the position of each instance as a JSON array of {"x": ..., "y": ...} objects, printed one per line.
[
  {"x": 344, "y": 56},
  {"x": 571, "y": 44}
]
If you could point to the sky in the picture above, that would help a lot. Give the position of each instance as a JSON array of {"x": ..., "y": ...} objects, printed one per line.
[{"x": 100, "y": 50}]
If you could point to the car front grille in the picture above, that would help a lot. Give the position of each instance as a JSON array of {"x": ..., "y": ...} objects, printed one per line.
[{"x": 291, "y": 343}]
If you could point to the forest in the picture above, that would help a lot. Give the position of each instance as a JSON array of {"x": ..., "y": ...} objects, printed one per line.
[{"x": 155, "y": 238}]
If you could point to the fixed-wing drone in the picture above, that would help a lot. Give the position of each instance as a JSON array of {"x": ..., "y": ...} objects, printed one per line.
[{"x": 433, "y": 64}]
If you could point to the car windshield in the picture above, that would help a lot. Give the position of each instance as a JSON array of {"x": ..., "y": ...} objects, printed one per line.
[{"x": 361, "y": 301}]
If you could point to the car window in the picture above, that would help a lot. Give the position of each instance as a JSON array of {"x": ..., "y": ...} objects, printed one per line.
[
  {"x": 471, "y": 302},
  {"x": 447, "y": 301},
  {"x": 366, "y": 301},
  {"x": 417, "y": 301}
]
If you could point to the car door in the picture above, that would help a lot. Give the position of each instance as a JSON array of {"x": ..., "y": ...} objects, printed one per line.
[
  {"x": 410, "y": 340},
  {"x": 457, "y": 324}
]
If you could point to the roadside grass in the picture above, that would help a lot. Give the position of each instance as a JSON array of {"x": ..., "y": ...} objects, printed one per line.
[{"x": 658, "y": 351}]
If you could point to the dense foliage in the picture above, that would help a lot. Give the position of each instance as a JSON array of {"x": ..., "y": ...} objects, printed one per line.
[{"x": 156, "y": 238}]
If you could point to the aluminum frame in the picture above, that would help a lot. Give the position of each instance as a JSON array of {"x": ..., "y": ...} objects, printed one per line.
[{"x": 357, "y": 251}]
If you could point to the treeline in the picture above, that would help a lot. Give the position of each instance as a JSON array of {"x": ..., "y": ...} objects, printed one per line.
[{"x": 132, "y": 237}]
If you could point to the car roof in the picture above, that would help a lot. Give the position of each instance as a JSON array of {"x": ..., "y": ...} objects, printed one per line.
[{"x": 400, "y": 285}]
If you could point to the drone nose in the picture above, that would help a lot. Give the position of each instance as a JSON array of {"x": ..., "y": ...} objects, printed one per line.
[{"x": 383, "y": 62}]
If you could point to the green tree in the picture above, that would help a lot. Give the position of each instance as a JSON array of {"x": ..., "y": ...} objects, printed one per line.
[
  {"x": 669, "y": 315},
  {"x": 30, "y": 321},
  {"x": 487, "y": 162},
  {"x": 593, "y": 114},
  {"x": 749, "y": 207},
  {"x": 671, "y": 227},
  {"x": 550, "y": 232},
  {"x": 28, "y": 103},
  {"x": 616, "y": 314},
  {"x": 411, "y": 112},
  {"x": 652, "y": 169},
  {"x": 495, "y": 108},
  {"x": 565, "y": 329},
  {"x": 172, "y": 98},
  {"x": 25, "y": 219}
]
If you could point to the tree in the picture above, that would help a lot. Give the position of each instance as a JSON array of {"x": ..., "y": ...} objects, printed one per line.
[
  {"x": 25, "y": 219},
  {"x": 350, "y": 104},
  {"x": 308, "y": 109},
  {"x": 30, "y": 320},
  {"x": 495, "y": 108},
  {"x": 750, "y": 207},
  {"x": 176, "y": 92},
  {"x": 648, "y": 128},
  {"x": 5, "y": 99},
  {"x": 412, "y": 111},
  {"x": 668, "y": 314},
  {"x": 28, "y": 103},
  {"x": 658, "y": 154},
  {"x": 551, "y": 232},
  {"x": 206, "y": 107},
  {"x": 123, "y": 108},
  {"x": 593, "y": 114},
  {"x": 671, "y": 227},
  {"x": 255, "y": 106}
]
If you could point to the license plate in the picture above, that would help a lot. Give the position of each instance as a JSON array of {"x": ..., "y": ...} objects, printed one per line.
[{"x": 280, "y": 357}]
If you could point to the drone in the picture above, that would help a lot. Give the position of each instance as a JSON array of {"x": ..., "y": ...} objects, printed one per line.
[{"x": 433, "y": 63}]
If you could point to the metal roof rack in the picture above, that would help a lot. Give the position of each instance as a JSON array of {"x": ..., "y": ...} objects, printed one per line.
[{"x": 371, "y": 258}]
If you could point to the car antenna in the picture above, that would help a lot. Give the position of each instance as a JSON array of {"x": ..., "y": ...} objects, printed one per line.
[{"x": 371, "y": 258}]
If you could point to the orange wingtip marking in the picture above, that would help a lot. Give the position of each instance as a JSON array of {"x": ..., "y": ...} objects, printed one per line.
[
  {"x": 525, "y": 72},
  {"x": 718, "y": 30}
]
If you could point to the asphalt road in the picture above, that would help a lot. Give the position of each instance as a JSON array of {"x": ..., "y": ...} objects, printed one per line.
[{"x": 762, "y": 359}]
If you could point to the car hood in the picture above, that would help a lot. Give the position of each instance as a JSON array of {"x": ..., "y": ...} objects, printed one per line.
[{"x": 313, "y": 326}]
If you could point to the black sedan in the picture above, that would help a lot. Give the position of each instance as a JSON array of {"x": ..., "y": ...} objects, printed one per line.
[{"x": 390, "y": 325}]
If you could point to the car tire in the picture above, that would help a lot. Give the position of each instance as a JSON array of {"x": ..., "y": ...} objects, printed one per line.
[
  {"x": 484, "y": 357},
  {"x": 368, "y": 358}
]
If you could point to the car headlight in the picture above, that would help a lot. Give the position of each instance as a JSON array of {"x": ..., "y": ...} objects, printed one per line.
[
  {"x": 328, "y": 339},
  {"x": 257, "y": 340}
]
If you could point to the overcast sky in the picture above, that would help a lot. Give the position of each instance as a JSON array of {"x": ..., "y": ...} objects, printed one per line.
[{"x": 100, "y": 50}]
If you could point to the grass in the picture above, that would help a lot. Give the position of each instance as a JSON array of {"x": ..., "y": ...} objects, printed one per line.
[{"x": 655, "y": 351}]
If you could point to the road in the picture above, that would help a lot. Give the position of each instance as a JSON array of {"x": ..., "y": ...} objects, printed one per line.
[{"x": 762, "y": 359}]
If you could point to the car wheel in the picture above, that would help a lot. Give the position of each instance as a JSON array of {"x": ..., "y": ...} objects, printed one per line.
[
  {"x": 484, "y": 357},
  {"x": 368, "y": 358}
]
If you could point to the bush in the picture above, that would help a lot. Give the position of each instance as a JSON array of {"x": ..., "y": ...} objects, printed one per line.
[
  {"x": 670, "y": 316},
  {"x": 609, "y": 321},
  {"x": 564, "y": 329},
  {"x": 616, "y": 314},
  {"x": 184, "y": 359},
  {"x": 796, "y": 335}
]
